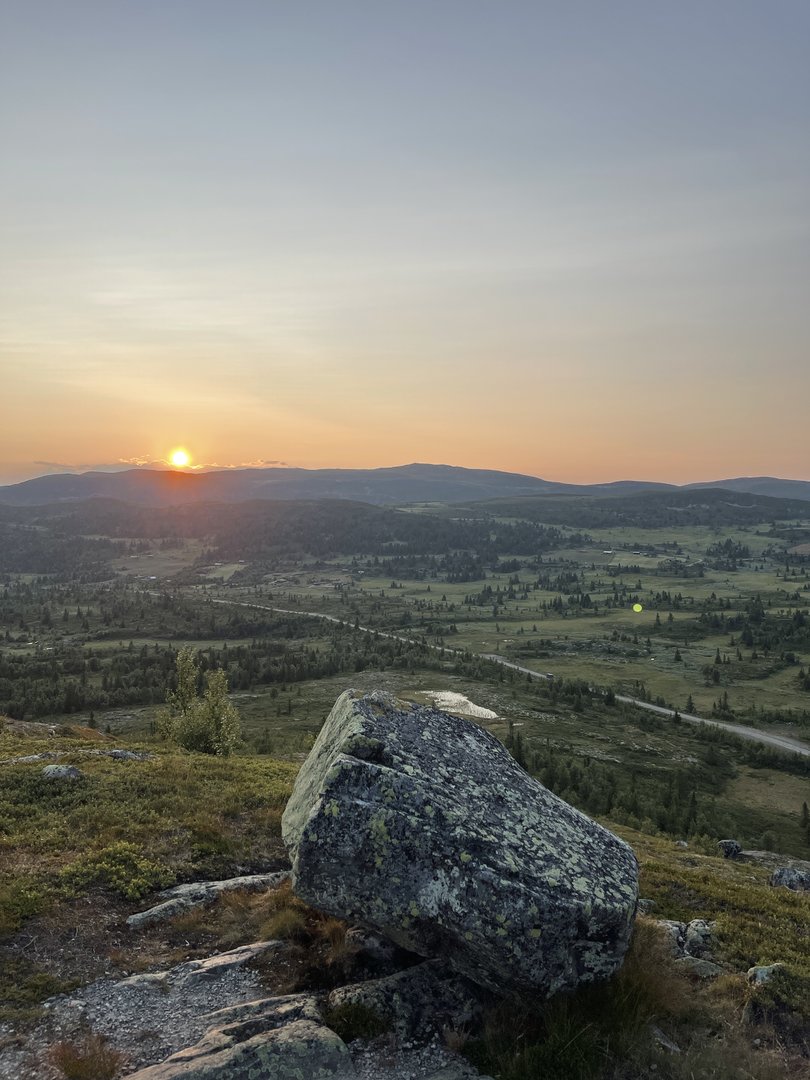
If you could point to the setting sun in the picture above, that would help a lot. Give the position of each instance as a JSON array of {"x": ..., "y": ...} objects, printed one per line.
[{"x": 180, "y": 458}]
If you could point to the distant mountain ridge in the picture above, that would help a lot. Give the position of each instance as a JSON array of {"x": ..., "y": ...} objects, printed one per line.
[{"x": 385, "y": 486}]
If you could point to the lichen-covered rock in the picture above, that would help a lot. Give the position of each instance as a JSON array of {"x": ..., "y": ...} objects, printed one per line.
[
  {"x": 730, "y": 848},
  {"x": 687, "y": 939},
  {"x": 791, "y": 878},
  {"x": 419, "y": 1001},
  {"x": 698, "y": 938},
  {"x": 421, "y": 825},
  {"x": 762, "y": 974}
]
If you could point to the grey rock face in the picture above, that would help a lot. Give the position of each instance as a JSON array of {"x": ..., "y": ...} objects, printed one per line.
[
  {"x": 299, "y": 1050},
  {"x": 377, "y": 949},
  {"x": 420, "y": 825},
  {"x": 151, "y": 1016},
  {"x": 675, "y": 933},
  {"x": 62, "y": 772},
  {"x": 791, "y": 878},
  {"x": 687, "y": 940},
  {"x": 730, "y": 848},
  {"x": 29, "y": 759},
  {"x": 762, "y": 974},
  {"x": 421, "y": 1000},
  {"x": 698, "y": 937}
]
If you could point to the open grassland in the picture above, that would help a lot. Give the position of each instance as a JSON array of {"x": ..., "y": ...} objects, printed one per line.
[{"x": 572, "y": 611}]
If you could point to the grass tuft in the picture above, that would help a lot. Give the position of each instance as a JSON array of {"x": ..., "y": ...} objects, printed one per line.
[
  {"x": 352, "y": 1020},
  {"x": 91, "y": 1059}
]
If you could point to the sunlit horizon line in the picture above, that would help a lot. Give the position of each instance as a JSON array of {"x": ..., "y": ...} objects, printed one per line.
[{"x": 165, "y": 464}]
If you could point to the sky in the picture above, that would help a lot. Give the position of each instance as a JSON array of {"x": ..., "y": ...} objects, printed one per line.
[{"x": 565, "y": 239}]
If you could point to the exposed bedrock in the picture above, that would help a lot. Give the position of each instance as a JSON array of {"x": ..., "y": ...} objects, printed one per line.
[{"x": 421, "y": 825}]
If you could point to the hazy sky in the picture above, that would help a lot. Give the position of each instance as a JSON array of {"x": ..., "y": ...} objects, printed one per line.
[{"x": 570, "y": 239}]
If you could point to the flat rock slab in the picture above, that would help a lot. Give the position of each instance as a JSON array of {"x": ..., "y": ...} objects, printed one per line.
[
  {"x": 199, "y": 893},
  {"x": 300, "y": 1050},
  {"x": 54, "y": 755},
  {"x": 422, "y": 826}
]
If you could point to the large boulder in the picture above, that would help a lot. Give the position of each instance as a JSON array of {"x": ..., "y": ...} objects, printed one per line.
[
  {"x": 420, "y": 825},
  {"x": 62, "y": 772},
  {"x": 730, "y": 848},
  {"x": 792, "y": 878}
]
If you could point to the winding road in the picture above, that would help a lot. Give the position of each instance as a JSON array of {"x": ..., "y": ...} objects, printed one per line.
[{"x": 779, "y": 742}]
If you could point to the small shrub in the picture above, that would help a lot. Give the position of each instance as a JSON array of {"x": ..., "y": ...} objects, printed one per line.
[
  {"x": 23, "y": 988},
  {"x": 19, "y": 899},
  {"x": 91, "y": 1059},
  {"x": 209, "y": 724},
  {"x": 120, "y": 867},
  {"x": 353, "y": 1020}
]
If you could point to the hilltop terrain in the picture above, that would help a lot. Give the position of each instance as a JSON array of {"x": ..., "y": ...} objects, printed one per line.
[
  {"x": 387, "y": 486},
  {"x": 523, "y": 611}
]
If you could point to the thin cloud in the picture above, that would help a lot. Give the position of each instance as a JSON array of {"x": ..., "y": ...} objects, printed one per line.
[
  {"x": 261, "y": 463},
  {"x": 138, "y": 462}
]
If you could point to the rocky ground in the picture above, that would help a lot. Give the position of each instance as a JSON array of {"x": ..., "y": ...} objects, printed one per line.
[{"x": 147, "y": 1018}]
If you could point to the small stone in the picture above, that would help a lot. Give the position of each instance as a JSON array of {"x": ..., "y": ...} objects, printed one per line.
[
  {"x": 62, "y": 772},
  {"x": 664, "y": 1042},
  {"x": 421, "y": 999},
  {"x": 199, "y": 893},
  {"x": 701, "y": 969}
]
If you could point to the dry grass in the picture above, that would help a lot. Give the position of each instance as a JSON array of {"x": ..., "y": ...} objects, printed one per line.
[
  {"x": 286, "y": 925},
  {"x": 90, "y": 1059},
  {"x": 605, "y": 1032}
]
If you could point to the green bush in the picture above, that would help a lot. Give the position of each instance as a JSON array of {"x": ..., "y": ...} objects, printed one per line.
[
  {"x": 20, "y": 898},
  {"x": 120, "y": 867}
]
